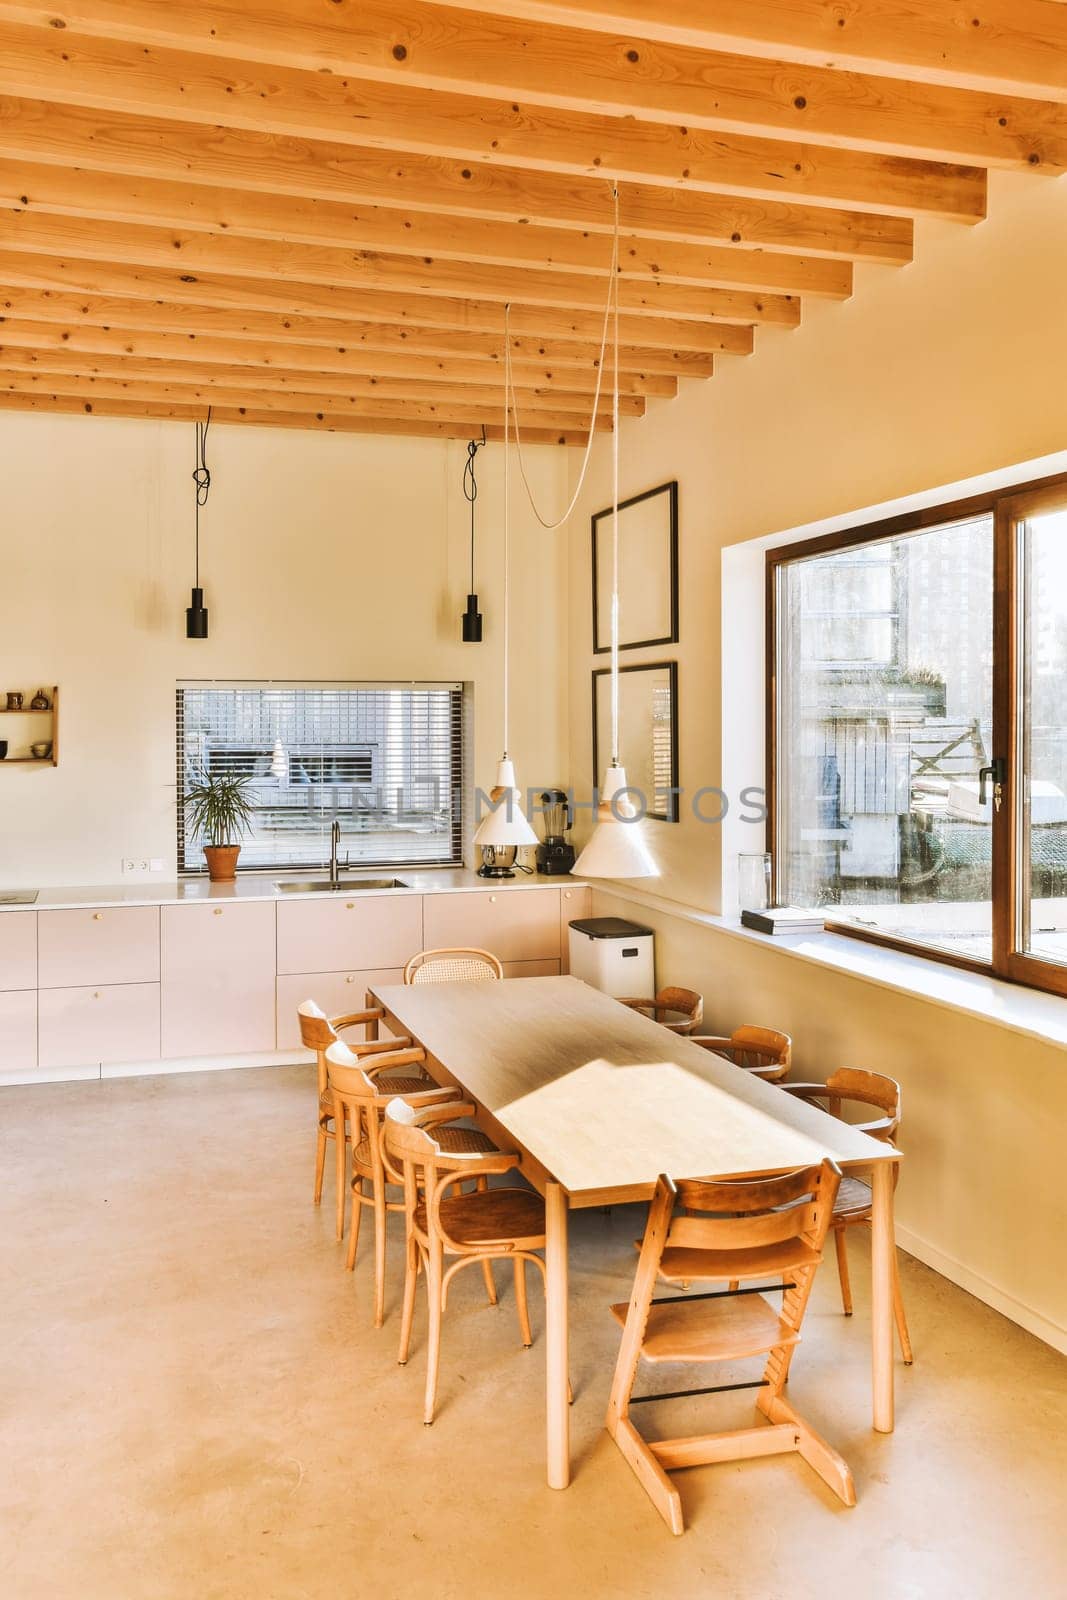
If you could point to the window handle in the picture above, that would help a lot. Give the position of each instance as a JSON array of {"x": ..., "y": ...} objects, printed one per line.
[{"x": 996, "y": 773}]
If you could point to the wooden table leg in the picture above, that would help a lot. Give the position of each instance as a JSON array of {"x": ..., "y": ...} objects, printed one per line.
[
  {"x": 371, "y": 1027},
  {"x": 883, "y": 1244},
  {"x": 559, "y": 1432}
]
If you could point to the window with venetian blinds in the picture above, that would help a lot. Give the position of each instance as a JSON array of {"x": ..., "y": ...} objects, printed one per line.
[{"x": 385, "y": 760}]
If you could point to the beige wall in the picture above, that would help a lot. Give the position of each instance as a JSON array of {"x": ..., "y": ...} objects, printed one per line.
[
  {"x": 949, "y": 368},
  {"x": 323, "y": 556}
]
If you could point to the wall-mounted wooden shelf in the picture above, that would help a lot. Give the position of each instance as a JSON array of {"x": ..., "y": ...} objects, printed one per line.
[{"x": 52, "y": 714}]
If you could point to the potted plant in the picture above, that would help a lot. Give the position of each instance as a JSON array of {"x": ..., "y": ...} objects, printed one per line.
[{"x": 220, "y": 809}]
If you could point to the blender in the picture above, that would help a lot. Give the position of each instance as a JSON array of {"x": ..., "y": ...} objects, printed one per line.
[{"x": 555, "y": 857}]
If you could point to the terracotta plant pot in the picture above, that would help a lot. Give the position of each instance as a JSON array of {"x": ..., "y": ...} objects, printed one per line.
[{"x": 222, "y": 861}]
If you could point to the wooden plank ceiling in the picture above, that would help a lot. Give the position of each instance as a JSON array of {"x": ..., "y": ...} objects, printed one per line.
[{"x": 311, "y": 213}]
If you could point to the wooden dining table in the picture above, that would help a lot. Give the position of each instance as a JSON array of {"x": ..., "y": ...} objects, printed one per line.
[{"x": 598, "y": 1101}]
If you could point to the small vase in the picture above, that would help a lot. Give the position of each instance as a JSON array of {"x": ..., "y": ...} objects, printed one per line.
[
  {"x": 40, "y": 702},
  {"x": 222, "y": 861}
]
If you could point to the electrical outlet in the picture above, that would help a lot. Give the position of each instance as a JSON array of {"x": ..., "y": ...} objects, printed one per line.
[
  {"x": 129, "y": 864},
  {"x": 142, "y": 865},
  {"x": 156, "y": 864}
]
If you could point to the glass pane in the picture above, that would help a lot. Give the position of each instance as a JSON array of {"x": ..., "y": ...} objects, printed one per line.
[
  {"x": 885, "y": 691},
  {"x": 383, "y": 762},
  {"x": 1042, "y": 757}
]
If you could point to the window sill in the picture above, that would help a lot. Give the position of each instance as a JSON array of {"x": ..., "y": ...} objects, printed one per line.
[{"x": 1009, "y": 1005}]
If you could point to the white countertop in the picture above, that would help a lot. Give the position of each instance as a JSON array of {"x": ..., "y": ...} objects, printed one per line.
[{"x": 257, "y": 886}]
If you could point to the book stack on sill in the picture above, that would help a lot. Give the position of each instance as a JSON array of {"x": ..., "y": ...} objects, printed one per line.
[{"x": 785, "y": 919}]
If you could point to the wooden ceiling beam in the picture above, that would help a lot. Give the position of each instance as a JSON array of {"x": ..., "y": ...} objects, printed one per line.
[
  {"x": 60, "y": 191},
  {"x": 301, "y": 389},
  {"x": 313, "y": 170},
  {"x": 202, "y": 292},
  {"x": 261, "y": 333},
  {"x": 416, "y": 48},
  {"x": 455, "y": 407},
  {"x": 111, "y": 75},
  {"x": 313, "y": 360},
  {"x": 1004, "y": 46},
  {"x": 328, "y": 422},
  {"x": 73, "y": 238}
]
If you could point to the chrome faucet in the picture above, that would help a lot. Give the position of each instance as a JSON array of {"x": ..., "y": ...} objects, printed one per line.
[{"x": 335, "y": 845}]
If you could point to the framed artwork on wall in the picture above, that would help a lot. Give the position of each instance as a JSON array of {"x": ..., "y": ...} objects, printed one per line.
[
  {"x": 648, "y": 571},
  {"x": 648, "y": 732}
]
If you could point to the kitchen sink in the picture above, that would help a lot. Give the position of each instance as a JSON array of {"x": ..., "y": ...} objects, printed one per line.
[{"x": 345, "y": 886}]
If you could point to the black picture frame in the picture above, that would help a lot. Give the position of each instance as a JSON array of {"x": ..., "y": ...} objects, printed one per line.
[
  {"x": 671, "y": 811},
  {"x": 601, "y": 529}
]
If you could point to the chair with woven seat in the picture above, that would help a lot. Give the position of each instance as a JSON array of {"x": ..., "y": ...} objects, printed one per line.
[
  {"x": 360, "y": 1100},
  {"x": 317, "y": 1033},
  {"x": 710, "y": 1232},
  {"x": 488, "y": 1225},
  {"x": 680, "y": 1010},
  {"x": 853, "y": 1206},
  {"x": 764, "y": 1052},
  {"x": 453, "y": 966}
]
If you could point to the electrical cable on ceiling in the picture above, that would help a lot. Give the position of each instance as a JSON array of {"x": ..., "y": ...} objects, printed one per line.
[
  {"x": 509, "y": 381},
  {"x": 202, "y": 479},
  {"x": 470, "y": 487}
]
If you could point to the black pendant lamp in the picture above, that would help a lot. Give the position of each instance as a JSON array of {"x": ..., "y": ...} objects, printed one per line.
[
  {"x": 196, "y": 613},
  {"x": 472, "y": 617}
]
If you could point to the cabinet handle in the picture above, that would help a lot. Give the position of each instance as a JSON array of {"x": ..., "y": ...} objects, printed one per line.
[
  {"x": 98, "y": 916},
  {"x": 96, "y": 996},
  {"x": 350, "y": 980},
  {"x": 566, "y": 894},
  {"x": 350, "y": 906},
  {"x": 218, "y": 911},
  {"x": 492, "y": 899}
]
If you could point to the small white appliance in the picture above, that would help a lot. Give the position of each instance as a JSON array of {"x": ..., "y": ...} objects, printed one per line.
[{"x": 613, "y": 955}]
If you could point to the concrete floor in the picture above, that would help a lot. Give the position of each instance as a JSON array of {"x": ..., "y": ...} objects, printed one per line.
[{"x": 195, "y": 1403}]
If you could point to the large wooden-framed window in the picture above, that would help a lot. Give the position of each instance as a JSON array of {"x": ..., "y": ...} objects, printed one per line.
[{"x": 917, "y": 731}]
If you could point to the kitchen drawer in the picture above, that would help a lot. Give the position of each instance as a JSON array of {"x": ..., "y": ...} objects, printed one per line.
[
  {"x": 338, "y": 993},
  {"x": 531, "y": 969},
  {"x": 574, "y": 906},
  {"x": 515, "y": 924},
  {"x": 105, "y": 1025},
  {"x": 113, "y": 945},
  {"x": 218, "y": 979},
  {"x": 360, "y": 934},
  {"x": 18, "y": 949},
  {"x": 18, "y": 1030}
]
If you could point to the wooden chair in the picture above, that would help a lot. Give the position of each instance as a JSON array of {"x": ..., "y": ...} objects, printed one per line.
[
  {"x": 684, "y": 1005},
  {"x": 452, "y": 966},
  {"x": 853, "y": 1204},
  {"x": 488, "y": 1225},
  {"x": 764, "y": 1052},
  {"x": 362, "y": 1100},
  {"x": 317, "y": 1033},
  {"x": 764, "y": 1226}
]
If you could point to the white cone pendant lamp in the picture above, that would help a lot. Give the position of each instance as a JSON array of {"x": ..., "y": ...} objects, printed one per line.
[
  {"x": 505, "y": 823},
  {"x": 616, "y": 848}
]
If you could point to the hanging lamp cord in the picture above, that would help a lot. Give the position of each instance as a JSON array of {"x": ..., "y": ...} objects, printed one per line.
[
  {"x": 202, "y": 479},
  {"x": 509, "y": 381},
  {"x": 470, "y": 489}
]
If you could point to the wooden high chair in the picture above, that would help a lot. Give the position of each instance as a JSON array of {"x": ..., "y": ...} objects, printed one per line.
[
  {"x": 488, "y": 1225},
  {"x": 685, "y": 1006},
  {"x": 856, "y": 1086},
  {"x": 361, "y": 1100},
  {"x": 725, "y": 1231},
  {"x": 764, "y": 1052},
  {"x": 317, "y": 1033}
]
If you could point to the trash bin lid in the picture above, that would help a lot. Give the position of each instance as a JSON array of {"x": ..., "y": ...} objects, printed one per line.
[{"x": 610, "y": 928}]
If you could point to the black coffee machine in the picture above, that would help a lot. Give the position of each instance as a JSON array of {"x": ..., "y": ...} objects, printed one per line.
[{"x": 555, "y": 857}]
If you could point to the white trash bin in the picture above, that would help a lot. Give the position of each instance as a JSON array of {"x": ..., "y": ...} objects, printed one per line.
[{"x": 613, "y": 955}]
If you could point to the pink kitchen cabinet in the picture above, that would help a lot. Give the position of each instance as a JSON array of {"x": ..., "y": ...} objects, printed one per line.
[
  {"x": 338, "y": 993},
  {"x": 574, "y": 906},
  {"x": 18, "y": 950},
  {"x": 356, "y": 934},
  {"x": 102, "y": 1026},
  {"x": 218, "y": 979},
  {"x": 18, "y": 1031},
  {"x": 114, "y": 944},
  {"x": 515, "y": 925}
]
